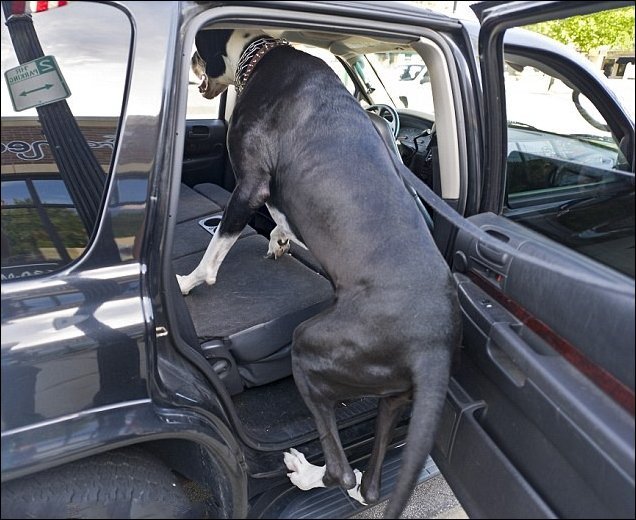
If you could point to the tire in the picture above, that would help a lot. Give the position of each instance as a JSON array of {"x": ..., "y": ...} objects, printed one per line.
[{"x": 126, "y": 483}]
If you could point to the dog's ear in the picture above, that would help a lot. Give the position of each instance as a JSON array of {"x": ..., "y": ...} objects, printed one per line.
[{"x": 212, "y": 46}]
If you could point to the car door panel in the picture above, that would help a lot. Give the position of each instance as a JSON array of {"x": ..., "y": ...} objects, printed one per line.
[
  {"x": 568, "y": 299},
  {"x": 205, "y": 156},
  {"x": 465, "y": 452},
  {"x": 556, "y": 389},
  {"x": 539, "y": 420}
]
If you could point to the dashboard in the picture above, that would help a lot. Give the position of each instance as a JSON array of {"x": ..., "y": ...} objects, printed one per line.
[{"x": 526, "y": 140}]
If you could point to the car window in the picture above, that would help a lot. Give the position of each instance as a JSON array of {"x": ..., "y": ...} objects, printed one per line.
[
  {"x": 398, "y": 78},
  {"x": 69, "y": 98},
  {"x": 566, "y": 175},
  {"x": 199, "y": 107},
  {"x": 330, "y": 60}
]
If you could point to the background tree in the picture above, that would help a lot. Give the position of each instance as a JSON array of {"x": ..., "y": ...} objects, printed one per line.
[{"x": 614, "y": 28}]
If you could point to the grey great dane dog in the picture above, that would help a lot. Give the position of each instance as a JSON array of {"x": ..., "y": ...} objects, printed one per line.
[{"x": 301, "y": 144}]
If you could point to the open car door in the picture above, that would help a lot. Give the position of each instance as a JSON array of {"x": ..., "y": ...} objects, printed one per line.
[{"x": 539, "y": 421}]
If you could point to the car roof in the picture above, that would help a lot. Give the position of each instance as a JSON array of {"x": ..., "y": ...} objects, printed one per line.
[{"x": 372, "y": 9}]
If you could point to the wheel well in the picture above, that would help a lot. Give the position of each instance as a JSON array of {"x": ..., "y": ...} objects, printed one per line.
[
  {"x": 169, "y": 478},
  {"x": 203, "y": 476}
]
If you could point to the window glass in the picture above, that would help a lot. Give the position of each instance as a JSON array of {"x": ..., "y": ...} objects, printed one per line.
[
  {"x": 51, "y": 197},
  {"x": 15, "y": 193},
  {"x": 38, "y": 234},
  {"x": 332, "y": 61},
  {"x": 52, "y": 192},
  {"x": 566, "y": 175},
  {"x": 400, "y": 79},
  {"x": 199, "y": 107}
]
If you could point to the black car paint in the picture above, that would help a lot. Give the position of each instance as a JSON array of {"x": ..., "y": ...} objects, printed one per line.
[{"x": 129, "y": 381}]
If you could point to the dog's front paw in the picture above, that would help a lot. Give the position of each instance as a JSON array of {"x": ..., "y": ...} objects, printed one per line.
[
  {"x": 303, "y": 474},
  {"x": 189, "y": 282},
  {"x": 184, "y": 286}
]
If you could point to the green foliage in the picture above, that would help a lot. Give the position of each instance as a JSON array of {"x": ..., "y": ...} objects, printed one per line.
[
  {"x": 614, "y": 28},
  {"x": 29, "y": 240}
]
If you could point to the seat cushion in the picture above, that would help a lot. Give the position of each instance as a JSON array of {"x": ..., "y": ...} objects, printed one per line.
[
  {"x": 214, "y": 193},
  {"x": 193, "y": 204},
  {"x": 256, "y": 302},
  {"x": 250, "y": 290},
  {"x": 194, "y": 235}
]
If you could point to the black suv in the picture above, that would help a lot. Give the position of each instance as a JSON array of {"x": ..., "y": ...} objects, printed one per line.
[{"x": 123, "y": 399}]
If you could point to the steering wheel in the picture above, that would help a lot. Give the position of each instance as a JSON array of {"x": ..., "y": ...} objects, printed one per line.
[{"x": 388, "y": 113}]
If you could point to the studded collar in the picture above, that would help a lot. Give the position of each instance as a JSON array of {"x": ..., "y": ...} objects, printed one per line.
[{"x": 253, "y": 53}]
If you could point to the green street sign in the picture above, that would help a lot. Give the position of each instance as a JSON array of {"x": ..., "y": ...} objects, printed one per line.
[{"x": 36, "y": 83}]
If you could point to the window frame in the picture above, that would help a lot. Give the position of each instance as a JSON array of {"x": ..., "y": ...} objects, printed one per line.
[{"x": 66, "y": 261}]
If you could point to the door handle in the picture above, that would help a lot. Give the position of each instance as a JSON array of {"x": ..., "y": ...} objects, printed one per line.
[
  {"x": 199, "y": 132},
  {"x": 492, "y": 254}
]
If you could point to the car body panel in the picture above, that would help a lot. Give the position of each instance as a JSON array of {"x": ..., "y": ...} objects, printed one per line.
[
  {"x": 539, "y": 420},
  {"x": 67, "y": 358}
]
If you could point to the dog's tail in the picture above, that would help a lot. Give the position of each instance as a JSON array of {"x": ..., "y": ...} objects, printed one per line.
[{"x": 429, "y": 391}]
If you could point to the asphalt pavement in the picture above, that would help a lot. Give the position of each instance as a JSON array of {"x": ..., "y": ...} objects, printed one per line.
[{"x": 431, "y": 499}]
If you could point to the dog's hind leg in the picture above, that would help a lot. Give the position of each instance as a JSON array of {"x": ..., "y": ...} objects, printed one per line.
[
  {"x": 307, "y": 366},
  {"x": 389, "y": 411},
  {"x": 303, "y": 475},
  {"x": 338, "y": 471},
  {"x": 278, "y": 243},
  {"x": 279, "y": 238},
  {"x": 246, "y": 198}
]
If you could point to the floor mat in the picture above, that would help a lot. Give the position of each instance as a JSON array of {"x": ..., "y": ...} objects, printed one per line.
[{"x": 277, "y": 413}]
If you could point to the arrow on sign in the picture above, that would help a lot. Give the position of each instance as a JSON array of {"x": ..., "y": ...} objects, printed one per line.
[{"x": 47, "y": 87}]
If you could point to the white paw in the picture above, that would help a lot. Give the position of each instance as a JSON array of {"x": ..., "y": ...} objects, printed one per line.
[
  {"x": 303, "y": 474},
  {"x": 189, "y": 282},
  {"x": 278, "y": 243},
  {"x": 354, "y": 492},
  {"x": 184, "y": 286},
  {"x": 277, "y": 249}
]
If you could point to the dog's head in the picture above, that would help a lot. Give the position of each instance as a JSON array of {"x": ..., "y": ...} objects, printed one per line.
[{"x": 217, "y": 56}]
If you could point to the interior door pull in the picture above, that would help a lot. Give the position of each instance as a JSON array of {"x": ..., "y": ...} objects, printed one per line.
[
  {"x": 491, "y": 254},
  {"x": 199, "y": 132}
]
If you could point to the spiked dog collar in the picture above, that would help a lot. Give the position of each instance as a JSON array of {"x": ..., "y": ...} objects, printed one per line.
[{"x": 251, "y": 56}]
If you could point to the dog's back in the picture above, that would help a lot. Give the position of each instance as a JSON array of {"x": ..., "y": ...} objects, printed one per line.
[{"x": 320, "y": 142}]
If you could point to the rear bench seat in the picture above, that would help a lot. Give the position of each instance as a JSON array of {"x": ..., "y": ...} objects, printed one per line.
[{"x": 245, "y": 321}]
